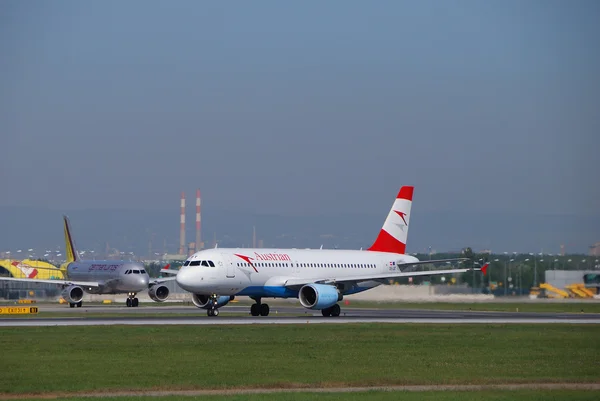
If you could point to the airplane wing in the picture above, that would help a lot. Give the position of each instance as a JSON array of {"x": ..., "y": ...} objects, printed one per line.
[
  {"x": 169, "y": 271},
  {"x": 296, "y": 282},
  {"x": 426, "y": 262},
  {"x": 57, "y": 282}
]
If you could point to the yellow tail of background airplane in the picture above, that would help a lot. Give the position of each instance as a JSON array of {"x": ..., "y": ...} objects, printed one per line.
[{"x": 70, "y": 250}]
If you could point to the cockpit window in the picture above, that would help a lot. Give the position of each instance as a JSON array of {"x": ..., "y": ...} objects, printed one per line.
[
  {"x": 187, "y": 262},
  {"x": 136, "y": 272},
  {"x": 128, "y": 272},
  {"x": 195, "y": 263},
  {"x": 210, "y": 262},
  {"x": 204, "y": 263},
  {"x": 143, "y": 271}
]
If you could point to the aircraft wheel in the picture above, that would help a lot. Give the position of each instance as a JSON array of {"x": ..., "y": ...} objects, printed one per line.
[
  {"x": 210, "y": 312},
  {"x": 335, "y": 310},
  {"x": 326, "y": 312},
  {"x": 264, "y": 310},
  {"x": 255, "y": 310},
  {"x": 79, "y": 304},
  {"x": 128, "y": 302},
  {"x": 135, "y": 302},
  {"x": 216, "y": 312},
  {"x": 71, "y": 305}
]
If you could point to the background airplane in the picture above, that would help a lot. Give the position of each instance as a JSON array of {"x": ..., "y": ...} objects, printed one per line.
[
  {"x": 102, "y": 277},
  {"x": 318, "y": 278}
]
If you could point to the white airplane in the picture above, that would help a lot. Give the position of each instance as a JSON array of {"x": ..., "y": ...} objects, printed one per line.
[{"x": 319, "y": 278}]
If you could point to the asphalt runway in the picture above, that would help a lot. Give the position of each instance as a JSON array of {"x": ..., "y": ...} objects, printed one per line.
[{"x": 231, "y": 315}]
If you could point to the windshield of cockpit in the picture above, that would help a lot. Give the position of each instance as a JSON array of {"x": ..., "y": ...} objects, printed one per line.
[{"x": 206, "y": 263}]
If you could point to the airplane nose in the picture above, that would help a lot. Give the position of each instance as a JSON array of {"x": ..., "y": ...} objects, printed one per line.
[{"x": 186, "y": 279}]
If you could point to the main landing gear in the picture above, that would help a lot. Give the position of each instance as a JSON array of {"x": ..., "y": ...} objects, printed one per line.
[
  {"x": 331, "y": 311},
  {"x": 78, "y": 304},
  {"x": 259, "y": 309},
  {"x": 132, "y": 301}
]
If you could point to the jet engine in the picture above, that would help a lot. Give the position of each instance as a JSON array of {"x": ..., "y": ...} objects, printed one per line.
[
  {"x": 158, "y": 293},
  {"x": 72, "y": 294},
  {"x": 319, "y": 296},
  {"x": 202, "y": 301}
]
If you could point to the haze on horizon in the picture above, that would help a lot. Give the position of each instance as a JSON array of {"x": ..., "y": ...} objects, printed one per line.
[{"x": 301, "y": 109}]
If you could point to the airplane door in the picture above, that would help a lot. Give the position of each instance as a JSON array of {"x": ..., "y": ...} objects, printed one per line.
[
  {"x": 296, "y": 268},
  {"x": 229, "y": 266}
]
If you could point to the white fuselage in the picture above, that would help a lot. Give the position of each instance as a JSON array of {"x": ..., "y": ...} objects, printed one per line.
[{"x": 263, "y": 272}]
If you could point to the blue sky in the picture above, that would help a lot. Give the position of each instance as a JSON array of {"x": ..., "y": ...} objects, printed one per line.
[{"x": 301, "y": 108}]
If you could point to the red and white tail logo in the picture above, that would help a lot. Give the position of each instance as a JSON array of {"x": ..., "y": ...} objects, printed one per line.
[{"x": 393, "y": 234}]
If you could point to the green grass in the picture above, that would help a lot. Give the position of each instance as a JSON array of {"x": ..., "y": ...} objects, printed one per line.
[
  {"x": 550, "y": 307},
  {"x": 52, "y": 359},
  {"x": 502, "y": 395},
  {"x": 543, "y": 307}
]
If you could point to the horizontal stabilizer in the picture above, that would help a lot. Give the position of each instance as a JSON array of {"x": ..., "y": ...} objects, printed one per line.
[{"x": 169, "y": 271}]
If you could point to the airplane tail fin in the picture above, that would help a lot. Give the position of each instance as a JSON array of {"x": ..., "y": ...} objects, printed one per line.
[
  {"x": 393, "y": 234},
  {"x": 70, "y": 249}
]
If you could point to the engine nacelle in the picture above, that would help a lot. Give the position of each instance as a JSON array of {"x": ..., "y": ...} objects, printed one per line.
[
  {"x": 319, "y": 296},
  {"x": 72, "y": 294},
  {"x": 201, "y": 301},
  {"x": 158, "y": 293}
]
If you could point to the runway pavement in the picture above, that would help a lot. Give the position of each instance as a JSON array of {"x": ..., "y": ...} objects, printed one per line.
[{"x": 86, "y": 316}]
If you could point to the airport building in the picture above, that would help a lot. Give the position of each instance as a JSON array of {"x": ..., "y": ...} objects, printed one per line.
[{"x": 28, "y": 269}]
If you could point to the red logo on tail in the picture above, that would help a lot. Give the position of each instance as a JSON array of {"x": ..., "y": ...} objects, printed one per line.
[
  {"x": 401, "y": 214},
  {"x": 484, "y": 268}
]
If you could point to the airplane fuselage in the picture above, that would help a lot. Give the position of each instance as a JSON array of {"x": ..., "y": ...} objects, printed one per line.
[
  {"x": 114, "y": 277},
  {"x": 264, "y": 272}
]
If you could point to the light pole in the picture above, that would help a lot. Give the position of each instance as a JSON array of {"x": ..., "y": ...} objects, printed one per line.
[
  {"x": 521, "y": 275},
  {"x": 509, "y": 276},
  {"x": 505, "y": 274},
  {"x": 495, "y": 260},
  {"x": 534, "y": 268}
]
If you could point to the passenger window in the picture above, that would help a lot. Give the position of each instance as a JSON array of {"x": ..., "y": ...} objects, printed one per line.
[
  {"x": 211, "y": 264},
  {"x": 195, "y": 263}
]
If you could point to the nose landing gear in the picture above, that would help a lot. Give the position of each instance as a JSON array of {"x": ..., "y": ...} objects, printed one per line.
[
  {"x": 212, "y": 306},
  {"x": 132, "y": 301}
]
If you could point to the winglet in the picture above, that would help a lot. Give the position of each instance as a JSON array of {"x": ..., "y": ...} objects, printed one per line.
[{"x": 484, "y": 268}]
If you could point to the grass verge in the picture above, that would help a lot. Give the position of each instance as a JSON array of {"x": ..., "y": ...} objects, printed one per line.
[
  {"x": 55, "y": 359},
  {"x": 501, "y": 395}
]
